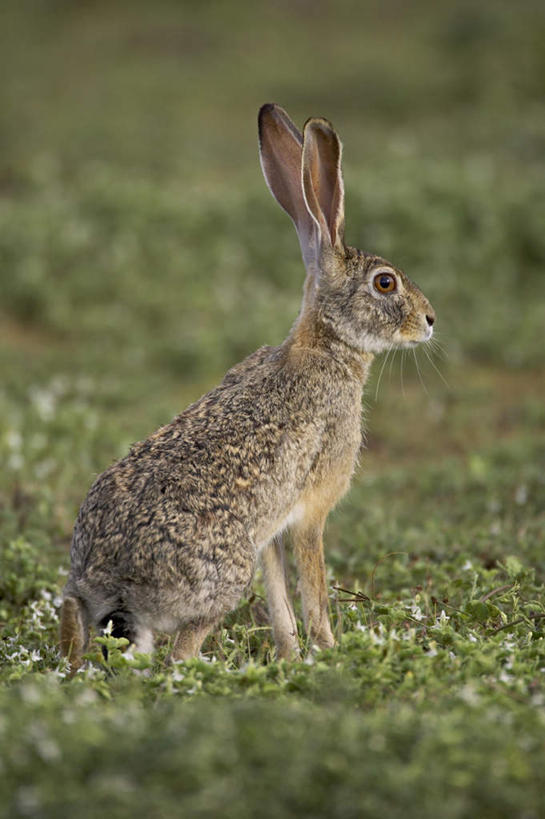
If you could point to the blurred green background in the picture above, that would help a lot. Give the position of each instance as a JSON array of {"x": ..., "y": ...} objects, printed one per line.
[
  {"x": 141, "y": 255},
  {"x": 134, "y": 216}
]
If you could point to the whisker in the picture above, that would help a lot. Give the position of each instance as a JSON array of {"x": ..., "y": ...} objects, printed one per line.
[
  {"x": 437, "y": 370},
  {"x": 437, "y": 347},
  {"x": 390, "y": 368},
  {"x": 382, "y": 370},
  {"x": 419, "y": 373},
  {"x": 401, "y": 373},
  {"x": 438, "y": 350}
]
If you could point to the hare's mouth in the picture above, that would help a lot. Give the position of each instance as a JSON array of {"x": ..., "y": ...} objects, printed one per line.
[{"x": 411, "y": 337}]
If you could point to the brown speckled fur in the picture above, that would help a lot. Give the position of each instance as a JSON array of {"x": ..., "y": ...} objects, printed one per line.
[{"x": 168, "y": 538}]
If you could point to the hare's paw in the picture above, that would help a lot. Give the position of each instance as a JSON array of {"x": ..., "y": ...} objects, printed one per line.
[
  {"x": 287, "y": 648},
  {"x": 324, "y": 639}
]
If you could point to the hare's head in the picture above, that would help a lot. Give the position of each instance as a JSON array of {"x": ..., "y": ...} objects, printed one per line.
[{"x": 360, "y": 298}]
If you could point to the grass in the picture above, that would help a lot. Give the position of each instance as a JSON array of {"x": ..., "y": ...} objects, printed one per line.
[{"x": 141, "y": 255}]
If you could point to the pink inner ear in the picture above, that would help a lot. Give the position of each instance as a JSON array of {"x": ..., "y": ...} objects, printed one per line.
[{"x": 322, "y": 179}]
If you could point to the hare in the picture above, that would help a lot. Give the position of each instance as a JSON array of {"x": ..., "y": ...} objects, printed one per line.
[{"x": 168, "y": 538}]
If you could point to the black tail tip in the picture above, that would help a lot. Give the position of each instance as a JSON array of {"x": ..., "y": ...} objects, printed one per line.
[{"x": 122, "y": 626}]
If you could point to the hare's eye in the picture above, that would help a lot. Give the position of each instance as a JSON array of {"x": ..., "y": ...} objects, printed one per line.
[{"x": 385, "y": 282}]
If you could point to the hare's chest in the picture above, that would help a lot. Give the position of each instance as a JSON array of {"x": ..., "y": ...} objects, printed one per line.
[
  {"x": 333, "y": 467},
  {"x": 328, "y": 479},
  {"x": 340, "y": 446}
]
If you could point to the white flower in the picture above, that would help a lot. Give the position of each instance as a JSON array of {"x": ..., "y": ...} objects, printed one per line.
[
  {"x": 44, "y": 402},
  {"x": 359, "y": 626},
  {"x": 468, "y": 694},
  {"x": 44, "y": 468},
  {"x": 15, "y": 461},
  {"x": 14, "y": 439},
  {"x": 177, "y": 675},
  {"x": 442, "y": 620},
  {"x": 521, "y": 495},
  {"x": 30, "y": 694},
  {"x": 377, "y": 639}
]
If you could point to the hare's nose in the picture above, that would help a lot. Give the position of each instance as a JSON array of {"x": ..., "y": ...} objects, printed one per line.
[{"x": 430, "y": 318}]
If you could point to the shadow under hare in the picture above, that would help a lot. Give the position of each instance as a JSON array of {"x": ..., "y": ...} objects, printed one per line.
[{"x": 168, "y": 538}]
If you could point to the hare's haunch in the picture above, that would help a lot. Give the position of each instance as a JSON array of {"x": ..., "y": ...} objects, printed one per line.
[{"x": 168, "y": 538}]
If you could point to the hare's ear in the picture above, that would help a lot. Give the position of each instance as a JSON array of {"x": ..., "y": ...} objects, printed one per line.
[
  {"x": 280, "y": 152},
  {"x": 323, "y": 181}
]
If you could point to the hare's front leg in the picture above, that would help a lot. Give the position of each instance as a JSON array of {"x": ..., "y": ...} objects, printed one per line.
[
  {"x": 309, "y": 553},
  {"x": 282, "y": 616}
]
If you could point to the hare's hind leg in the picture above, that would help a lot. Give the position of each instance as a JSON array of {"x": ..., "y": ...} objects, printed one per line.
[
  {"x": 309, "y": 553},
  {"x": 189, "y": 639},
  {"x": 282, "y": 616},
  {"x": 74, "y": 632}
]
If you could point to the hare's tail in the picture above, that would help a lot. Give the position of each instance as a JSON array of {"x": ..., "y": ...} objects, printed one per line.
[{"x": 73, "y": 636}]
